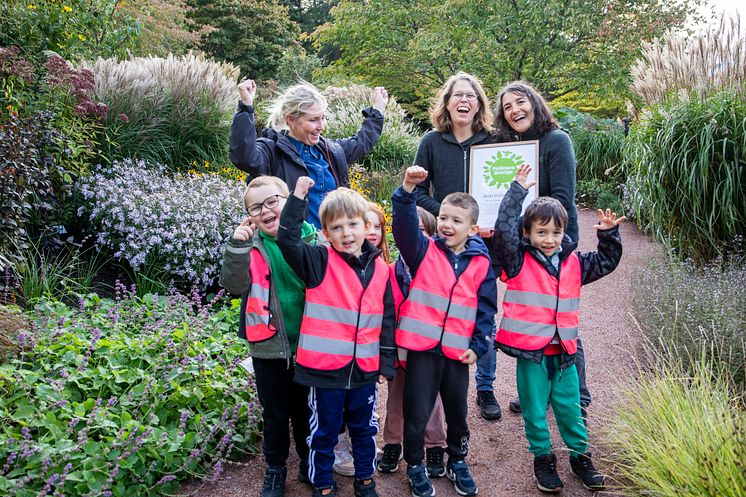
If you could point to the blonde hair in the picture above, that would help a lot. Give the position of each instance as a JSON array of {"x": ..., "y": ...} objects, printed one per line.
[
  {"x": 383, "y": 246},
  {"x": 441, "y": 118},
  {"x": 264, "y": 181},
  {"x": 342, "y": 202},
  {"x": 294, "y": 101}
]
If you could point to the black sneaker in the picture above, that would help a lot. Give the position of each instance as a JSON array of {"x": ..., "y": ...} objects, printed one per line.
[
  {"x": 420, "y": 483},
  {"x": 436, "y": 468},
  {"x": 303, "y": 472},
  {"x": 488, "y": 406},
  {"x": 582, "y": 467},
  {"x": 274, "y": 481},
  {"x": 515, "y": 405},
  {"x": 459, "y": 474},
  {"x": 363, "y": 489},
  {"x": 319, "y": 491},
  {"x": 545, "y": 473},
  {"x": 389, "y": 463}
]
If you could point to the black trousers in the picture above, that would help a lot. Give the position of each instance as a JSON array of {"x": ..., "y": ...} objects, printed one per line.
[
  {"x": 428, "y": 374},
  {"x": 282, "y": 401}
]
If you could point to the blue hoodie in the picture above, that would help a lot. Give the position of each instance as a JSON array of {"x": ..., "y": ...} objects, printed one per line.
[{"x": 412, "y": 244}]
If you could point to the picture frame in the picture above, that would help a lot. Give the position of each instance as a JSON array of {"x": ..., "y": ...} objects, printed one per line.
[{"x": 492, "y": 169}]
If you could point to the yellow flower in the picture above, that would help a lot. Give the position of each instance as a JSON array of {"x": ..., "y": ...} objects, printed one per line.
[
  {"x": 67, "y": 8},
  {"x": 31, "y": 6},
  {"x": 81, "y": 37}
]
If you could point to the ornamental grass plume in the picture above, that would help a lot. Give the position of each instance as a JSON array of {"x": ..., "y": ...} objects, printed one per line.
[{"x": 699, "y": 64}]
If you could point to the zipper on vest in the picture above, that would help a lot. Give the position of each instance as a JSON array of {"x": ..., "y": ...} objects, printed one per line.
[{"x": 357, "y": 324}]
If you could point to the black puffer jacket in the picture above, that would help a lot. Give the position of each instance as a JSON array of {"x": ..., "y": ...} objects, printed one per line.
[{"x": 274, "y": 154}]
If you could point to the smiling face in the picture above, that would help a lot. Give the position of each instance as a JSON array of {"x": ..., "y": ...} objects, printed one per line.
[
  {"x": 545, "y": 237},
  {"x": 268, "y": 220},
  {"x": 374, "y": 233},
  {"x": 455, "y": 225},
  {"x": 307, "y": 127},
  {"x": 518, "y": 111},
  {"x": 463, "y": 104},
  {"x": 347, "y": 234}
]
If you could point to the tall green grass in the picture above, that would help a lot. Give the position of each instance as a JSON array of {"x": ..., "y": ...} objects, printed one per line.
[
  {"x": 170, "y": 111},
  {"x": 687, "y": 164},
  {"x": 678, "y": 433}
]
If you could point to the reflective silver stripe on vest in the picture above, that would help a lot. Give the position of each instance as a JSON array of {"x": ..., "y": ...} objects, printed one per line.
[
  {"x": 420, "y": 328},
  {"x": 237, "y": 250},
  {"x": 463, "y": 312},
  {"x": 253, "y": 319},
  {"x": 339, "y": 347},
  {"x": 456, "y": 341},
  {"x": 568, "y": 333},
  {"x": 401, "y": 353},
  {"x": 428, "y": 299},
  {"x": 259, "y": 292},
  {"x": 342, "y": 316},
  {"x": 541, "y": 300},
  {"x": 528, "y": 328}
]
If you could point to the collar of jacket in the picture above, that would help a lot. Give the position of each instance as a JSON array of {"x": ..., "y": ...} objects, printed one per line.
[
  {"x": 474, "y": 246},
  {"x": 369, "y": 252},
  {"x": 475, "y": 138},
  {"x": 568, "y": 247}
]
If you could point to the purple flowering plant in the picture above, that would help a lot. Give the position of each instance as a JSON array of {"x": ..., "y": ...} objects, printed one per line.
[
  {"x": 176, "y": 223},
  {"x": 125, "y": 397}
]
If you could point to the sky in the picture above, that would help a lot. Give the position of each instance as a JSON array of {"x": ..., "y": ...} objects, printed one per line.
[{"x": 730, "y": 6}]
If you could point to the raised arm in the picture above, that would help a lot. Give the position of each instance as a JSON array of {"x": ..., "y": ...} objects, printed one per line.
[
  {"x": 234, "y": 275},
  {"x": 596, "y": 265},
  {"x": 361, "y": 143},
  {"x": 409, "y": 239},
  {"x": 507, "y": 236},
  {"x": 308, "y": 261},
  {"x": 245, "y": 151}
]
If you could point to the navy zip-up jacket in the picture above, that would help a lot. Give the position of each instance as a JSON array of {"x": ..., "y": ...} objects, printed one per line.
[{"x": 412, "y": 248}]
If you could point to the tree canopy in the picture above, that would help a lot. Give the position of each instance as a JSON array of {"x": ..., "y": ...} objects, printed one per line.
[{"x": 561, "y": 46}]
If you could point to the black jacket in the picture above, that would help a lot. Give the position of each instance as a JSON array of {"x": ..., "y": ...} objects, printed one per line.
[
  {"x": 275, "y": 155},
  {"x": 512, "y": 249},
  {"x": 309, "y": 262}
]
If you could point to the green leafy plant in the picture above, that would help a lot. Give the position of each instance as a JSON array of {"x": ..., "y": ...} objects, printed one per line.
[
  {"x": 687, "y": 160},
  {"x": 678, "y": 433},
  {"x": 596, "y": 194},
  {"x": 125, "y": 397}
]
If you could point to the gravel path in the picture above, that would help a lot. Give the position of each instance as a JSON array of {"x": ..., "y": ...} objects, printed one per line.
[{"x": 498, "y": 457}]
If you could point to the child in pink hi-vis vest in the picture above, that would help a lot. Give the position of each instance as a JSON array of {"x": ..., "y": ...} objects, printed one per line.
[{"x": 544, "y": 274}]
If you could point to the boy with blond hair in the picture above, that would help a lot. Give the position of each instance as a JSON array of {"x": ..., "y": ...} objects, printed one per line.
[
  {"x": 449, "y": 310},
  {"x": 544, "y": 274},
  {"x": 272, "y": 297},
  {"x": 346, "y": 340}
]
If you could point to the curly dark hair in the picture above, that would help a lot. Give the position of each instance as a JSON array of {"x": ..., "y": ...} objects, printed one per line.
[{"x": 544, "y": 121}]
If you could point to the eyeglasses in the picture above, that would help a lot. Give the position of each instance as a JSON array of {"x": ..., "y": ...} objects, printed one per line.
[
  {"x": 469, "y": 96},
  {"x": 269, "y": 203}
]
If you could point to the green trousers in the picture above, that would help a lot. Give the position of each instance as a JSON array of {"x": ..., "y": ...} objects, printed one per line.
[{"x": 535, "y": 390}]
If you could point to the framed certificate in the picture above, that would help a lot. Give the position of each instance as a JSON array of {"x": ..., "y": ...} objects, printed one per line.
[{"x": 492, "y": 169}]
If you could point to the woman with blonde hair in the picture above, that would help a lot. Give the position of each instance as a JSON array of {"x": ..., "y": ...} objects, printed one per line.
[{"x": 292, "y": 145}]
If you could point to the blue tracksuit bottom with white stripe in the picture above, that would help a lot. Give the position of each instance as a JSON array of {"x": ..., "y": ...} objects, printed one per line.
[{"x": 330, "y": 407}]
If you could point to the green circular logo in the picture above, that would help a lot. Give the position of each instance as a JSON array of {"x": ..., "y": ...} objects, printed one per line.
[{"x": 501, "y": 168}]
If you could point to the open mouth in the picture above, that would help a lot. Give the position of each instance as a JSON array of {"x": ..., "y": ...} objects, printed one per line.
[
  {"x": 348, "y": 245},
  {"x": 462, "y": 109},
  {"x": 519, "y": 118},
  {"x": 269, "y": 220}
]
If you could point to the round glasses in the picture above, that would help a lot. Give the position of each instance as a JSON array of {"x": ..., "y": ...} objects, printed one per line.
[
  {"x": 468, "y": 96},
  {"x": 269, "y": 203}
]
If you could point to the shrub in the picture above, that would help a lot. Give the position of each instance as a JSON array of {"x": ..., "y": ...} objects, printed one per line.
[
  {"x": 595, "y": 194},
  {"x": 598, "y": 144},
  {"x": 398, "y": 143},
  {"x": 151, "y": 220},
  {"x": 678, "y": 434},
  {"x": 72, "y": 29},
  {"x": 687, "y": 159},
  {"x": 689, "y": 312},
  {"x": 171, "y": 110},
  {"x": 124, "y": 397}
]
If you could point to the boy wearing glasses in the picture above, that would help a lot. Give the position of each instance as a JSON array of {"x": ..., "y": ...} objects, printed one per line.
[{"x": 272, "y": 304}]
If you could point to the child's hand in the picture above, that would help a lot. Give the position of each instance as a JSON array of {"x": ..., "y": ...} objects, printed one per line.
[
  {"x": 303, "y": 186},
  {"x": 244, "y": 231},
  {"x": 413, "y": 176},
  {"x": 247, "y": 91},
  {"x": 608, "y": 219},
  {"x": 486, "y": 232},
  {"x": 380, "y": 98},
  {"x": 468, "y": 357},
  {"x": 521, "y": 176}
]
